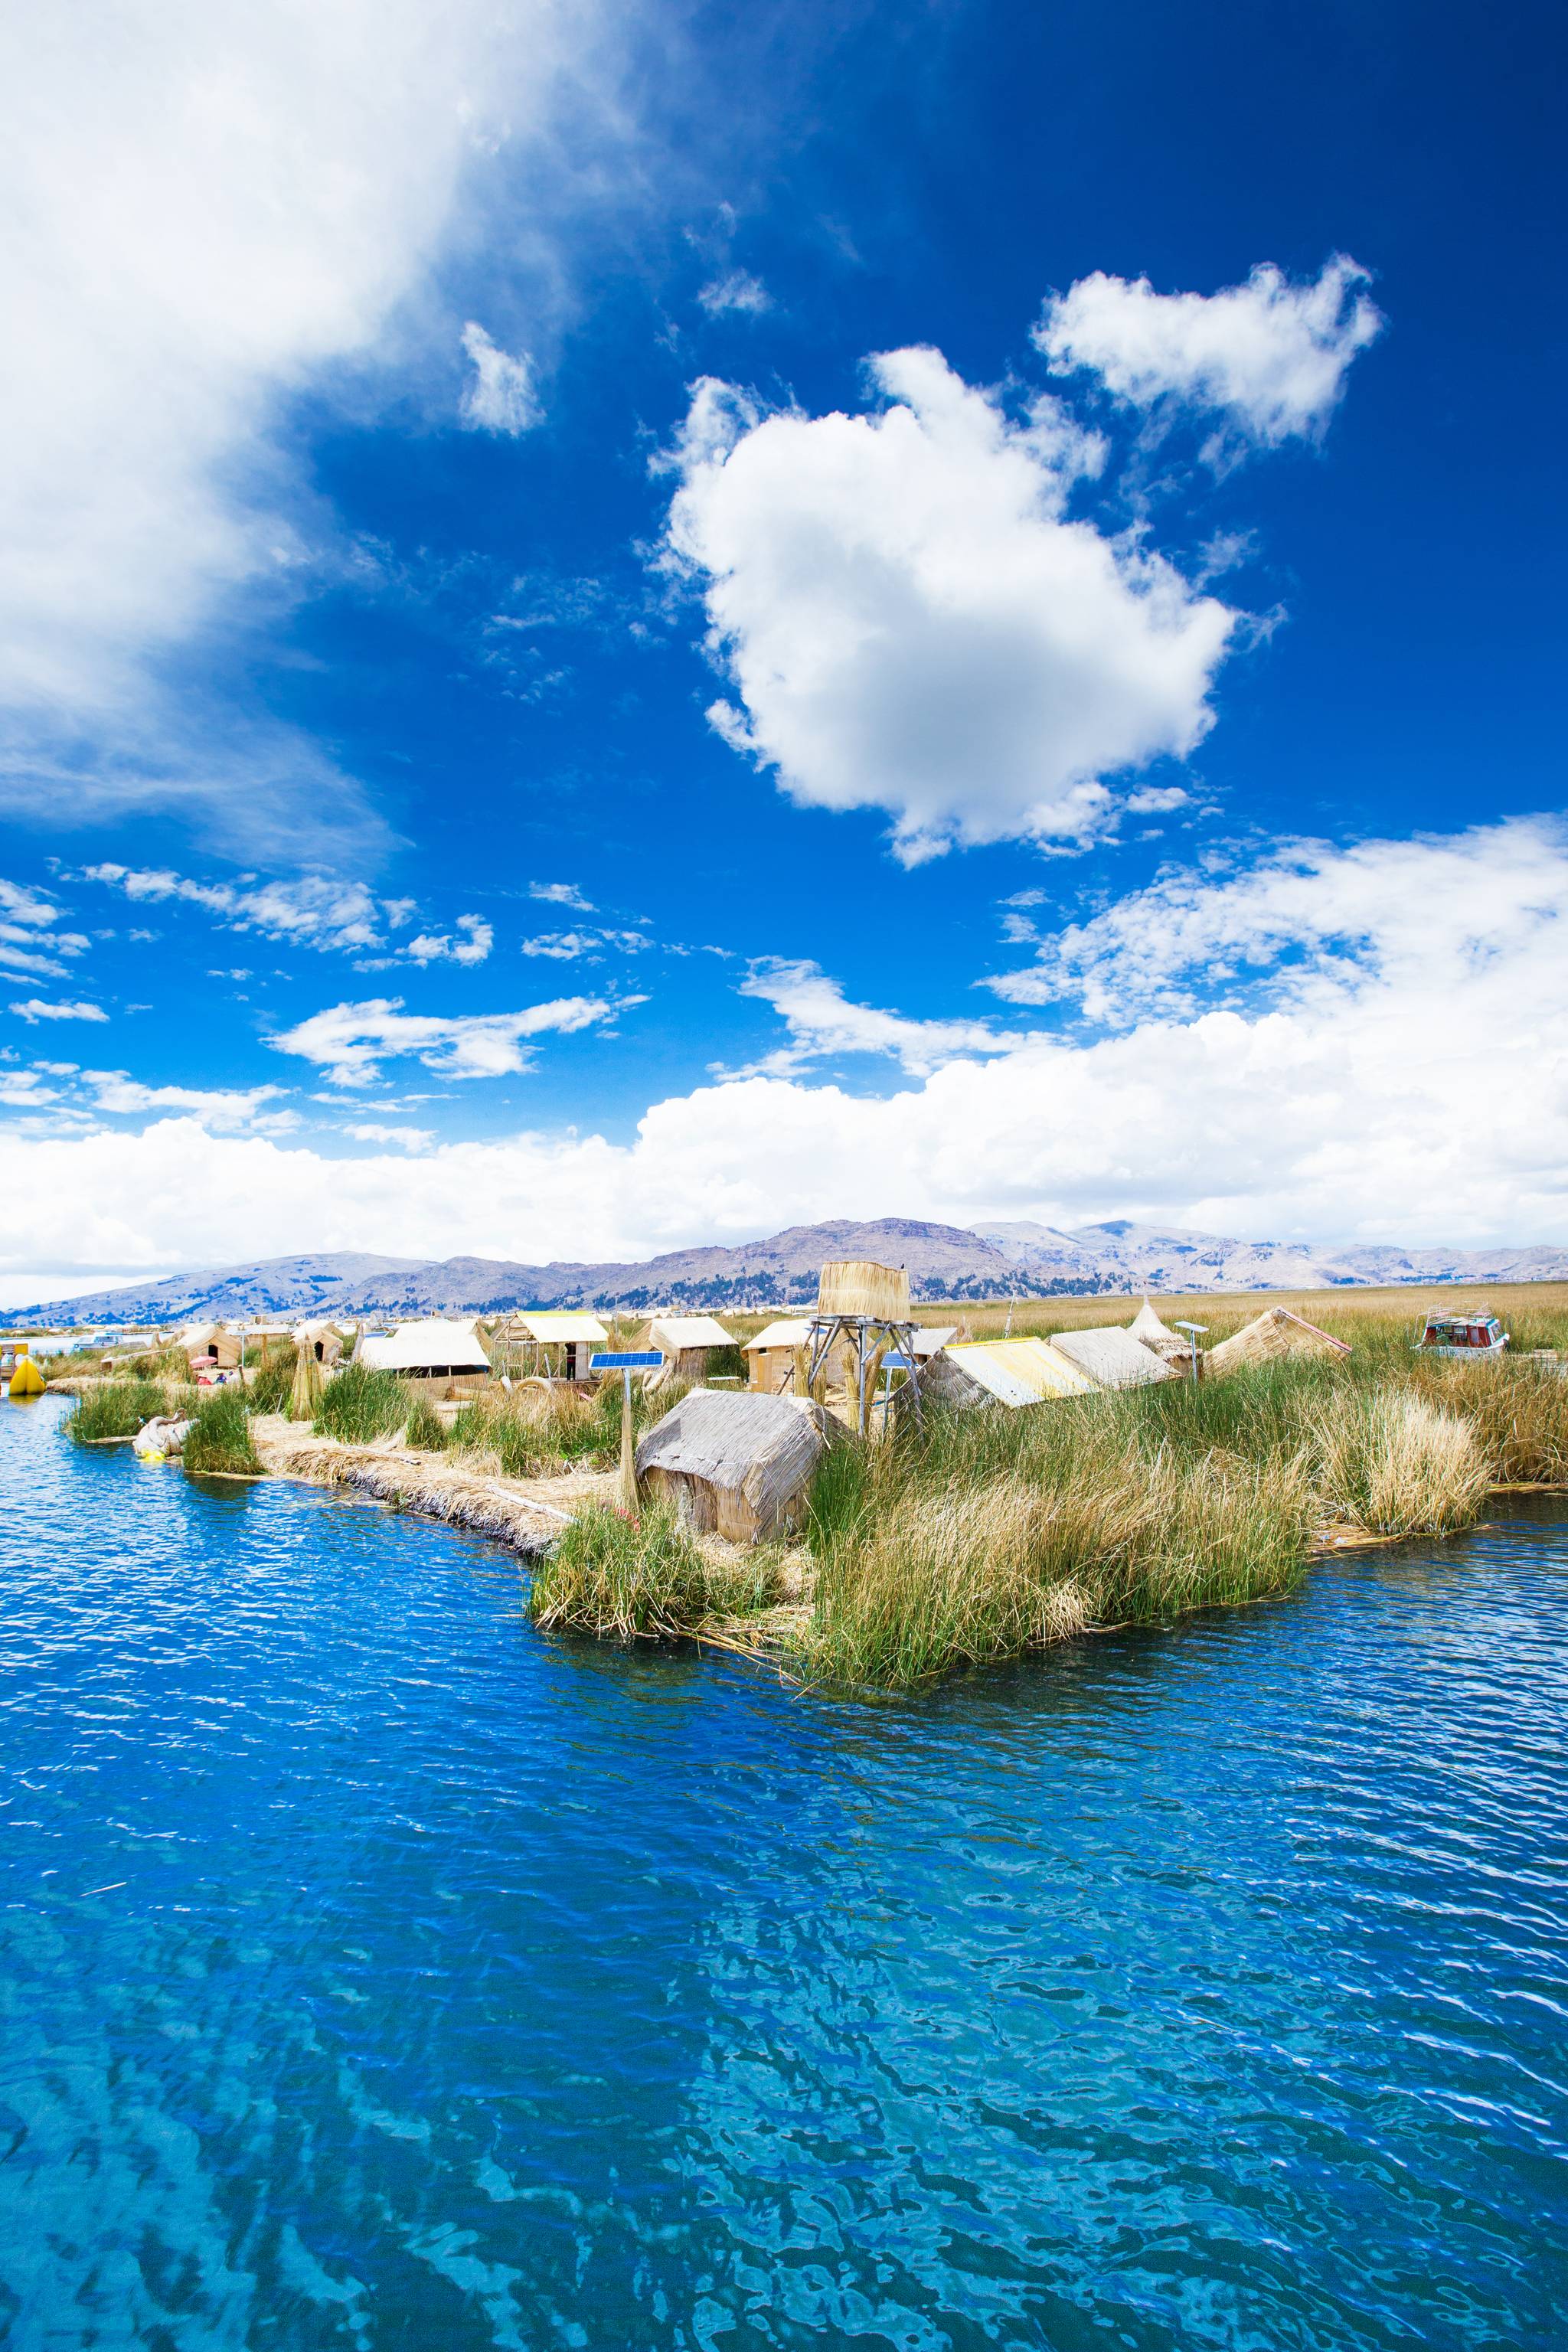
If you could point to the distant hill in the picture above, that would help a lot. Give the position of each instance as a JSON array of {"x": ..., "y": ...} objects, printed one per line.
[{"x": 994, "y": 1261}]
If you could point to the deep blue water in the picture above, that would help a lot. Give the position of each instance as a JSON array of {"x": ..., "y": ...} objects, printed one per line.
[{"x": 445, "y": 1987}]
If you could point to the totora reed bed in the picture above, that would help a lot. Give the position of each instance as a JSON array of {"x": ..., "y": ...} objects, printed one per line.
[{"x": 977, "y": 1537}]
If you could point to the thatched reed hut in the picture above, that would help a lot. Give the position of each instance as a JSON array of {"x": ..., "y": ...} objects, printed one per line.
[
  {"x": 735, "y": 1463},
  {"x": 1268, "y": 1338},
  {"x": 686, "y": 1341},
  {"x": 1150, "y": 1333},
  {"x": 323, "y": 1341}
]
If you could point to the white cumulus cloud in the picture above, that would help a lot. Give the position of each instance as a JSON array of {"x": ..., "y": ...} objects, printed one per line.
[
  {"x": 349, "y": 1042},
  {"x": 219, "y": 1109},
  {"x": 1271, "y": 355},
  {"x": 32, "y": 1009},
  {"x": 473, "y": 945},
  {"x": 913, "y": 622},
  {"x": 1401, "y": 1078}
]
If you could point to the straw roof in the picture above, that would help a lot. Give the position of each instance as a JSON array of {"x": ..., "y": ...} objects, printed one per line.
[
  {"x": 792, "y": 1332},
  {"x": 559, "y": 1324},
  {"x": 676, "y": 1332},
  {"x": 432, "y": 1347},
  {"x": 735, "y": 1460},
  {"x": 1113, "y": 1357},
  {"x": 1015, "y": 1372},
  {"x": 1269, "y": 1335}
]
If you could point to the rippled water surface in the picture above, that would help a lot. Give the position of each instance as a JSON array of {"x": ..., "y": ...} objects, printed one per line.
[{"x": 377, "y": 1973}]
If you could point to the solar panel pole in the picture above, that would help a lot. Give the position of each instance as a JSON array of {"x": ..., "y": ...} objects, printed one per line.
[{"x": 628, "y": 1486}]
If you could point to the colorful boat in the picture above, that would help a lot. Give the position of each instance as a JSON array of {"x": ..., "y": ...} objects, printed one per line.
[{"x": 1476, "y": 1333}]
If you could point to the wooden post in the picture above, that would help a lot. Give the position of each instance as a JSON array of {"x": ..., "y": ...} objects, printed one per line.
[{"x": 627, "y": 1490}]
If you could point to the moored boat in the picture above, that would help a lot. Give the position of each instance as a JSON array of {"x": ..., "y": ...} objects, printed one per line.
[{"x": 1475, "y": 1333}]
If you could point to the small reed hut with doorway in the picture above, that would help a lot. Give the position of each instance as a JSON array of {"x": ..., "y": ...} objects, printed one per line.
[
  {"x": 322, "y": 1342},
  {"x": 687, "y": 1342},
  {"x": 548, "y": 1344},
  {"x": 770, "y": 1357},
  {"x": 212, "y": 1346}
]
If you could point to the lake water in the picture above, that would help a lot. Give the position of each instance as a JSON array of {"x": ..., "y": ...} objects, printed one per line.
[{"x": 377, "y": 1973}]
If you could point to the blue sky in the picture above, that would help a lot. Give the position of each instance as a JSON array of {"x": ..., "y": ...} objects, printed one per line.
[{"x": 628, "y": 626}]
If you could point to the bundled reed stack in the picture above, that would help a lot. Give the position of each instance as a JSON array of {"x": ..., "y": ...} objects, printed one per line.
[{"x": 305, "y": 1396}]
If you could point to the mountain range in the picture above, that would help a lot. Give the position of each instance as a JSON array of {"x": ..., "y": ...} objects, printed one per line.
[{"x": 990, "y": 1261}]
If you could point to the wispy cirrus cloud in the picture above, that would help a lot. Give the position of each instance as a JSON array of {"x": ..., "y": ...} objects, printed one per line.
[
  {"x": 735, "y": 291},
  {"x": 31, "y": 940},
  {"x": 823, "y": 1024},
  {"x": 499, "y": 397},
  {"x": 312, "y": 910},
  {"x": 402, "y": 1139},
  {"x": 330, "y": 147},
  {"x": 221, "y": 1110}
]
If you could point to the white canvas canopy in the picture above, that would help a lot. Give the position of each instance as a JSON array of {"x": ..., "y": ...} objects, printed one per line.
[
  {"x": 561, "y": 1324},
  {"x": 676, "y": 1333},
  {"x": 431, "y": 1350},
  {"x": 1113, "y": 1357}
]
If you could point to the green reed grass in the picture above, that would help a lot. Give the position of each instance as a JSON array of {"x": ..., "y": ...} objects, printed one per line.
[
  {"x": 536, "y": 1433},
  {"x": 218, "y": 1443},
  {"x": 359, "y": 1405},
  {"x": 989, "y": 1533},
  {"x": 425, "y": 1432},
  {"x": 115, "y": 1409},
  {"x": 642, "y": 1574},
  {"x": 273, "y": 1381}
]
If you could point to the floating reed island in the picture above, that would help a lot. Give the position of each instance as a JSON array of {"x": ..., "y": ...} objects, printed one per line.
[{"x": 863, "y": 1498}]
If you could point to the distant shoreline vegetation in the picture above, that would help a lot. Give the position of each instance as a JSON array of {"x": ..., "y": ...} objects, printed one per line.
[{"x": 982, "y": 1535}]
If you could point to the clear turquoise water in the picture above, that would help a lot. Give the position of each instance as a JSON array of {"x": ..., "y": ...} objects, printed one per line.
[{"x": 1198, "y": 1989}]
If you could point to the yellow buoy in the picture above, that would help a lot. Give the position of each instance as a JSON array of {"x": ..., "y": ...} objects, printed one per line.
[{"x": 26, "y": 1381}]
